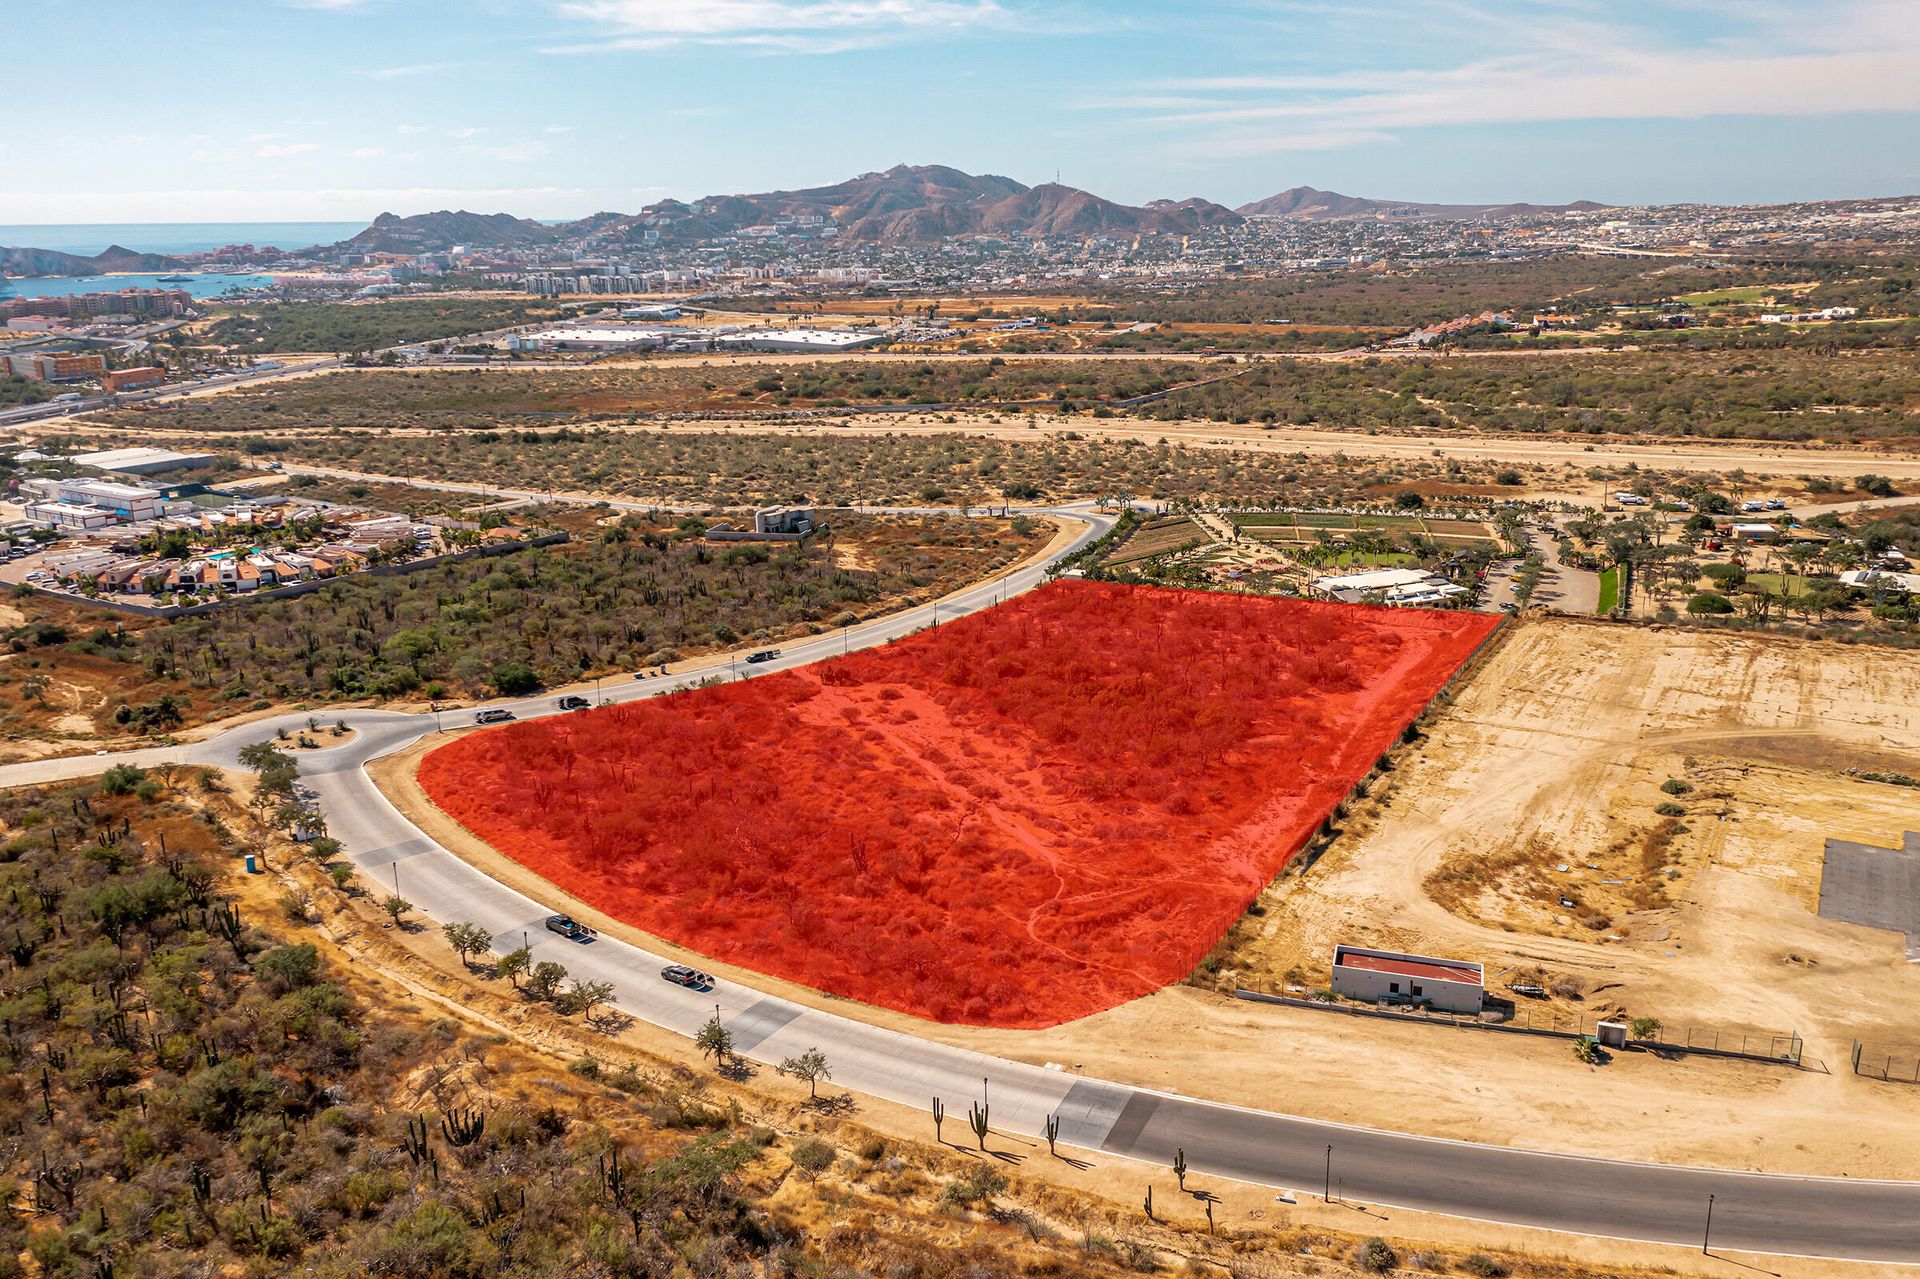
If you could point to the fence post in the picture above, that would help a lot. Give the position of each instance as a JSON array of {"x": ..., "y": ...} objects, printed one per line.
[{"x": 1856, "y": 1056}]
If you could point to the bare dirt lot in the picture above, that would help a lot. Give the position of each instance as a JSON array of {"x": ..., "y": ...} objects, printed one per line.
[{"x": 1563, "y": 736}]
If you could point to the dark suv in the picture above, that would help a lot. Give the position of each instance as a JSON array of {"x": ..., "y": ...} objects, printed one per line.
[
  {"x": 764, "y": 655},
  {"x": 570, "y": 928},
  {"x": 572, "y": 702}
]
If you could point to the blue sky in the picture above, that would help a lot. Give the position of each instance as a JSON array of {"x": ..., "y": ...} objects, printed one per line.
[{"x": 189, "y": 110}]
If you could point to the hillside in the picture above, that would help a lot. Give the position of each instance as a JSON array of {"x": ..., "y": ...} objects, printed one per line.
[
  {"x": 1307, "y": 202},
  {"x": 429, "y": 232},
  {"x": 907, "y": 204},
  {"x": 27, "y": 261}
]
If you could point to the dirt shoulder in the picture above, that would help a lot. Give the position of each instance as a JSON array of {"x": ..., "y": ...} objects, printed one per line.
[{"x": 415, "y": 973}]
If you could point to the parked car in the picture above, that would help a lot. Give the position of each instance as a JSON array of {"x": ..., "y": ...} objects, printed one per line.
[
  {"x": 691, "y": 978},
  {"x": 494, "y": 715},
  {"x": 570, "y": 928},
  {"x": 764, "y": 655},
  {"x": 573, "y": 702}
]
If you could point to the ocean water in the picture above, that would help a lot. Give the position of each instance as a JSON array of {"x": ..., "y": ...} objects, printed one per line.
[
  {"x": 174, "y": 237},
  {"x": 54, "y": 286}
]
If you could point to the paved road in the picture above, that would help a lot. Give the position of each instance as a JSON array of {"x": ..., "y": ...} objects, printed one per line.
[{"x": 1855, "y": 1219}]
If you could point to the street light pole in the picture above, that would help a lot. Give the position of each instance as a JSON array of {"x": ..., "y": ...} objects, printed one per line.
[
  {"x": 1707, "y": 1239},
  {"x": 1326, "y": 1193}
]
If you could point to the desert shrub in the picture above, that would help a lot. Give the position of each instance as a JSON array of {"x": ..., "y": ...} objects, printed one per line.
[
  {"x": 1708, "y": 603},
  {"x": 122, "y": 779},
  {"x": 1668, "y": 808},
  {"x": 812, "y": 1157},
  {"x": 980, "y": 1184},
  {"x": 1674, "y": 786},
  {"x": 1376, "y": 1256},
  {"x": 1479, "y": 1263}
]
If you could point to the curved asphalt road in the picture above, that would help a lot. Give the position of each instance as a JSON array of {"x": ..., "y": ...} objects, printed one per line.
[{"x": 1863, "y": 1220}]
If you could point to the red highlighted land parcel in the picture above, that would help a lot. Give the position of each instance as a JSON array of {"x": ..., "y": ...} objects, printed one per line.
[{"x": 1019, "y": 818}]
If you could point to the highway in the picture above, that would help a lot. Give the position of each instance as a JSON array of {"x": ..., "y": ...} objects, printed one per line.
[{"x": 1854, "y": 1219}]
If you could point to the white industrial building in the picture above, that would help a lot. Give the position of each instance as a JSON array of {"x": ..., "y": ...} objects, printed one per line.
[
  {"x": 590, "y": 338},
  {"x": 75, "y": 503},
  {"x": 1407, "y": 587},
  {"x": 141, "y": 461},
  {"x": 805, "y": 341},
  {"x": 1877, "y": 579},
  {"x": 1387, "y": 976}
]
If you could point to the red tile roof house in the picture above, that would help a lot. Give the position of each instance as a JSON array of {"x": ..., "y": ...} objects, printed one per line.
[{"x": 1377, "y": 976}]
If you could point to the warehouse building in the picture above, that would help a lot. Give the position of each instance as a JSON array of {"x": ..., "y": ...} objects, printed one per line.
[
  {"x": 141, "y": 461},
  {"x": 804, "y": 341},
  {"x": 1385, "y": 976}
]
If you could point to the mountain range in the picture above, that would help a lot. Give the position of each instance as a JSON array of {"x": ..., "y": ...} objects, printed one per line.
[{"x": 907, "y": 204}]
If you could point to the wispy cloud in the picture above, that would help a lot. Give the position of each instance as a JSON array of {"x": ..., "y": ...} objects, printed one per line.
[
  {"x": 514, "y": 152},
  {"x": 775, "y": 26},
  {"x": 281, "y": 150},
  {"x": 408, "y": 72},
  {"x": 1763, "y": 60}
]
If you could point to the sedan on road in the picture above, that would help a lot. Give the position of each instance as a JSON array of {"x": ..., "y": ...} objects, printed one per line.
[
  {"x": 493, "y": 715},
  {"x": 570, "y": 928},
  {"x": 691, "y": 978}
]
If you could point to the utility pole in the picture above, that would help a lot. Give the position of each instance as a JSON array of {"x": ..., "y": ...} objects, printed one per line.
[
  {"x": 1326, "y": 1193},
  {"x": 1706, "y": 1239}
]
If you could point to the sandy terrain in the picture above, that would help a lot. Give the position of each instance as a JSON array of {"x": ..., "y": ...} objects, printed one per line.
[
  {"x": 1561, "y": 714},
  {"x": 416, "y": 968}
]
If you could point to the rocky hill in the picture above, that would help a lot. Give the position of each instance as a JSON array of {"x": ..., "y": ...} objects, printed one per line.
[
  {"x": 25, "y": 261},
  {"x": 1307, "y": 202},
  {"x": 432, "y": 232}
]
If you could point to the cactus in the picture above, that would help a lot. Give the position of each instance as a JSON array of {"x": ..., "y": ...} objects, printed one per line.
[
  {"x": 1180, "y": 1167},
  {"x": 977, "y": 1120},
  {"x": 225, "y": 923},
  {"x": 1053, "y": 1132},
  {"x": 939, "y": 1117},
  {"x": 202, "y": 1186},
  {"x": 613, "y": 1178},
  {"x": 1149, "y": 1203},
  {"x": 1209, "y": 1216},
  {"x": 463, "y": 1127},
  {"x": 416, "y": 1141}
]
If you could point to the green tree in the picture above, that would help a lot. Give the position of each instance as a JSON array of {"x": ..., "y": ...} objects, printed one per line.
[
  {"x": 514, "y": 964},
  {"x": 715, "y": 1041},
  {"x": 467, "y": 939},
  {"x": 810, "y": 1066},
  {"x": 543, "y": 982}
]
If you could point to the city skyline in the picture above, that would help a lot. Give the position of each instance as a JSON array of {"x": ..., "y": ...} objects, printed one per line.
[{"x": 341, "y": 109}]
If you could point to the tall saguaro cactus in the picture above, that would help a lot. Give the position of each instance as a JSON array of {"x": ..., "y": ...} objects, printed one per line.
[
  {"x": 977, "y": 1120},
  {"x": 939, "y": 1117}
]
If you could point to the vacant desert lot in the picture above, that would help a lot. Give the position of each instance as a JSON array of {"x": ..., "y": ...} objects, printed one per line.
[
  {"x": 1525, "y": 834},
  {"x": 1019, "y": 818}
]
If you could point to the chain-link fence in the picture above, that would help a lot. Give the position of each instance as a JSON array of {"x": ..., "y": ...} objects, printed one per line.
[{"x": 1876, "y": 1063}]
